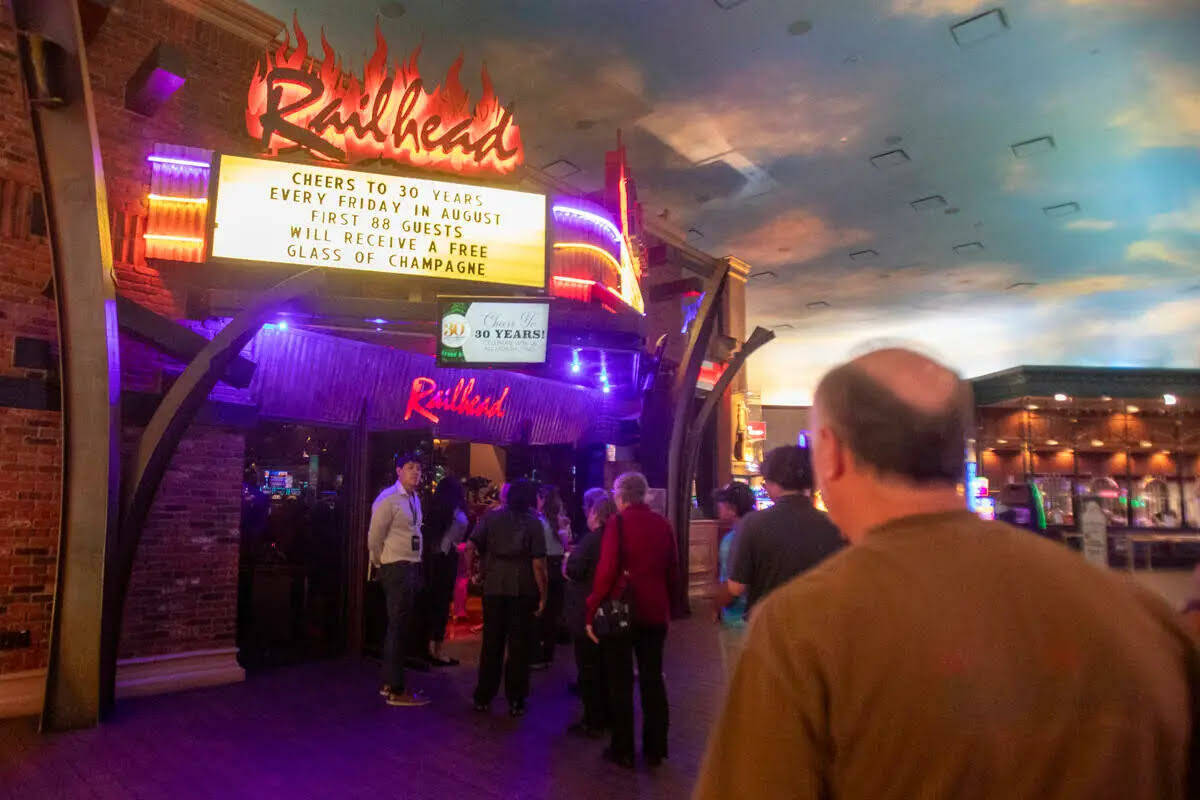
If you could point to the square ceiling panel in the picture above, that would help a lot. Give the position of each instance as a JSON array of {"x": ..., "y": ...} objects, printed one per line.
[
  {"x": 931, "y": 203},
  {"x": 1061, "y": 210},
  {"x": 980, "y": 27},
  {"x": 892, "y": 158},
  {"x": 1033, "y": 147}
]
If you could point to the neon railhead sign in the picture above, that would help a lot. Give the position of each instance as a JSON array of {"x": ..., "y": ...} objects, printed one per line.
[{"x": 298, "y": 104}]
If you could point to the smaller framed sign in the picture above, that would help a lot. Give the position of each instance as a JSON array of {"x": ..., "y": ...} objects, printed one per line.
[{"x": 492, "y": 332}]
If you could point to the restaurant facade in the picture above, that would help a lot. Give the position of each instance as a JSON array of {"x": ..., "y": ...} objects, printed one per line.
[{"x": 406, "y": 281}]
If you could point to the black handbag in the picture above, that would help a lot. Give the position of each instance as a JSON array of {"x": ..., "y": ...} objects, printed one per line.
[{"x": 614, "y": 616}]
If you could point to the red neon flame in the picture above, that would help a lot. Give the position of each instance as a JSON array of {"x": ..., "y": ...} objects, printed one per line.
[
  {"x": 424, "y": 399},
  {"x": 297, "y": 103}
]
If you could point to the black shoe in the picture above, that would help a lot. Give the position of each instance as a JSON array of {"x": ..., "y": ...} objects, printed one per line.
[
  {"x": 539, "y": 666},
  {"x": 443, "y": 662},
  {"x": 516, "y": 710},
  {"x": 625, "y": 761},
  {"x": 483, "y": 708},
  {"x": 655, "y": 761},
  {"x": 417, "y": 664}
]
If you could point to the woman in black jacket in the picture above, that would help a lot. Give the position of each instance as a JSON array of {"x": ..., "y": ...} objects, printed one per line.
[
  {"x": 580, "y": 569},
  {"x": 513, "y": 548}
]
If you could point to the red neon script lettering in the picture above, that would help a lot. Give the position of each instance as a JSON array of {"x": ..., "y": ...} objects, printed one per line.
[{"x": 424, "y": 398}]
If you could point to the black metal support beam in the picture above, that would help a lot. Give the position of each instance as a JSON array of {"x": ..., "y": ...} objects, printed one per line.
[
  {"x": 54, "y": 70},
  {"x": 171, "y": 420},
  {"x": 695, "y": 433},
  {"x": 683, "y": 393},
  {"x": 180, "y": 343}
]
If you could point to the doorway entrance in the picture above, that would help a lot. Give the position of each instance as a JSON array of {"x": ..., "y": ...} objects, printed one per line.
[{"x": 292, "y": 574}]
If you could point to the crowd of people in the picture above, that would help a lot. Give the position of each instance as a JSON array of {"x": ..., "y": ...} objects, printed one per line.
[
  {"x": 536, "y": 577},
  {"x": 899, "y": 646}
]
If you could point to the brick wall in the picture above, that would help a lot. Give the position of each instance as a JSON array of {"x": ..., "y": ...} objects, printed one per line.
[
  {"x": 183, "y": 594},
  {"x": 30, "y": 460}
]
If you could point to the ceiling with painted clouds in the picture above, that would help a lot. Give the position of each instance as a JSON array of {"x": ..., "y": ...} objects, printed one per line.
[{"x": 768, "y": 130}]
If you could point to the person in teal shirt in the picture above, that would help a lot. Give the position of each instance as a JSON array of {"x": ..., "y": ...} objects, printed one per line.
[{"x": 733, "y": 502}]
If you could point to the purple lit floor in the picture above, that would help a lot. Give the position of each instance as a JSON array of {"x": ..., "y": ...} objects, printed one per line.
[{"x": 321, "y": 731}]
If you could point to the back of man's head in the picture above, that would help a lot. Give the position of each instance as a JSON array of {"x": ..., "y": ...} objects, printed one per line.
[
  {"x": 891, "y": 422},
  {"x": 788, "y": 467}
]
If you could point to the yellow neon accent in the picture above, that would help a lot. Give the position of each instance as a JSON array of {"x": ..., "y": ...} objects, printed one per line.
[
  {"x": 591, "y": 247},
  {"x": 169, "y": 198},
  {"x": 165, "y": 237}
]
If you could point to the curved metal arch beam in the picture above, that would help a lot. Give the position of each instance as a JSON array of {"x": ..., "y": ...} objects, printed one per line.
[
  {"x": 166, "y": 428},
  {"x": 758, "y": 338},
  {"x": 683, "y": 391}
]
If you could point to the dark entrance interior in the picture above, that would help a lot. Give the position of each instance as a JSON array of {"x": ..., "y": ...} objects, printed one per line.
[{"x": 292, "y": 575}]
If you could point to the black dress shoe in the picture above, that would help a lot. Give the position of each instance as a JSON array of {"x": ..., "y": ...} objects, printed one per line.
[
  {"x": 417, "y": 664},
  {"x": 625, "y": 761}
]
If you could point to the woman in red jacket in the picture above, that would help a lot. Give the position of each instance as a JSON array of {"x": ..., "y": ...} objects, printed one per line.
[{"x": 638, "y": 547}]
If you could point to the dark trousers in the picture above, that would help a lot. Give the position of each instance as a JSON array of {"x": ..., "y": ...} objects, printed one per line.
[
  {"x": 646, "y": 642},
  {"x": 442, "y": 571},
  {"x": 401, "y": 581},
  {"x": 551, "y": 619},
  {"x": 593, "y": 685},
  {"x": 508, "y": 622}
]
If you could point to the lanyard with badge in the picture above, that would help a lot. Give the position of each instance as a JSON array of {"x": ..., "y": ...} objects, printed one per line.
[{"x": 416, "y": 537}]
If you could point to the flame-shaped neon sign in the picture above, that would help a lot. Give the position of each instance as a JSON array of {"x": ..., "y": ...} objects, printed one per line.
[{"x": 296, "y": 103}]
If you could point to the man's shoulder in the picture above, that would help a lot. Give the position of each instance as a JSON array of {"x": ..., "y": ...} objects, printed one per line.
[{"x": 387, "y": 493}]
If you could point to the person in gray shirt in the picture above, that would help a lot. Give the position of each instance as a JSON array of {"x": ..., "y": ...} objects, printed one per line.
[
  {"x": 394, "y": 544},
  {"x": 778, "y": 543}
]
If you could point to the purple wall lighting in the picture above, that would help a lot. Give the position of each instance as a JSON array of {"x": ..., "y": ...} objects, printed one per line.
[{"x": 160, "y": 76}]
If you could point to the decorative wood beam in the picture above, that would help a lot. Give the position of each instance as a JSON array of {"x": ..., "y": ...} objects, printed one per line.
[
  {"x": 54, "y": 69},
  {"x": 180, "y": 343}
]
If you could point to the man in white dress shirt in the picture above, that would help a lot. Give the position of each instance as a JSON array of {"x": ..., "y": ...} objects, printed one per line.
[{"x": 394, "y": 543}]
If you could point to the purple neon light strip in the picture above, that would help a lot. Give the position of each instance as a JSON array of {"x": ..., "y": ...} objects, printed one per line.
[
  {"x": 595, "y": 219},
  {"x": 181, "y": 162}
]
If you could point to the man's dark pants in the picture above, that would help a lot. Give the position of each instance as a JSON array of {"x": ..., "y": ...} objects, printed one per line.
[
  {"x": 506, "y": 621},
  {"x": 646, "y": 642},
  {"x": 401, "y": 581}
]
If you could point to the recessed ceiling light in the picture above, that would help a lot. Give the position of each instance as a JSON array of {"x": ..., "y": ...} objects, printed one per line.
[
  {"x": 392, "y": 10},
  {"x": 1144, "y": 443},
  {"x": 1061, "y": 210},
  {"x": 799, "y": 27},
  {"x": 863, "y": 255},
  {"x": 892, "y": 158},
  {"x": 929, "y": 203},
  {"x": 1097, "y": 443},
  {"x": 1170, "y": 399},
  {"x": 979, "y": 27},
  {"x": 968, "y": 248},
  {"x": 1002, "y": 441},
  {"x": 1052, "y": 442},
  {"x": 844, "y": 139},
  {"x": 1105, "y": 398},
  {"x": 1060, "y": 397},
  {"x": 1132, "y": 409},
  {"x": 817, "y": 304},
  {"x": 1032, "y": 407},
  {"x": 562, "y": 168},
  {"x": 1032, "y": 147}
]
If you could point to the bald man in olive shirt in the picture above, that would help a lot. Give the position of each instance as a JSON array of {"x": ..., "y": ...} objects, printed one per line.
[{"x": 942, "y": 656}]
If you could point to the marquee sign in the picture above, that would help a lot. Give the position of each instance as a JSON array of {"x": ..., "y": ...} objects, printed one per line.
[
  {"x": 296, "y": 103},
  {"x": 277, "y": 212}
]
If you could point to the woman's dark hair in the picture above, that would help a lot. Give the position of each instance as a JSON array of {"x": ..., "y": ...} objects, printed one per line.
[
  {"x": 738, "y": 496},
  {"x": 551, "y": 504},
  {"x": 522, "y": 496},
  {"x": 448, "y": 497}
]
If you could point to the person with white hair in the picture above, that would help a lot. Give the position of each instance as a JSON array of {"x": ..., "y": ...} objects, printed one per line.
[{"x": 638, "y": 553}]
